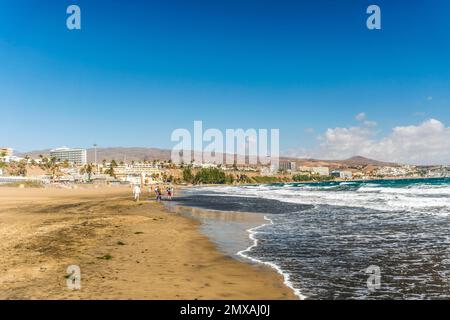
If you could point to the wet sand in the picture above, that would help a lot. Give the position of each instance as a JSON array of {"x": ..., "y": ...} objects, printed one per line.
[{"x": 125, "y": 250}]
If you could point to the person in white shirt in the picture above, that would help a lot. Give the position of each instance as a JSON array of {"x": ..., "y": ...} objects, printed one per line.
[{"x": 136, "y": 192}]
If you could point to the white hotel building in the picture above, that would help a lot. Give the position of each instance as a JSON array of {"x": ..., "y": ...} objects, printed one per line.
[{"x": 76, "y": 156}]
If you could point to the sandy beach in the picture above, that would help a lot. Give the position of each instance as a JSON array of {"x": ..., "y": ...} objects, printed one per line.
[{"x": 125, "y": 250}]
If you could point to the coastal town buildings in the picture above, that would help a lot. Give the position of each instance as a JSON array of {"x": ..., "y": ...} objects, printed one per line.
[
  {"x": 437, "y": 172},
  {"x": 268, "y": 170},
  {"x": 7, "y": 155},
  {"x": 204, "y": 165},
  {"x": 401, "y": 171},
  {"x": 265, "y": 171},
  {"x": 138, "y": 173},
  {"x": 341, "y": 174},
  {"x": 137, "y": 169},
  {"x": 6, "y": 151},
  {"x": 9, "y": 159},
  {"x": 71, "y": 167},
  {"x": 322, "y": 171}
]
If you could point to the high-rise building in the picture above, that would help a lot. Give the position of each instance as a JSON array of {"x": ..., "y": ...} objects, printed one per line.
[
  {"x": 288, "y": 165},
  {"x": 76, "y": 156}
]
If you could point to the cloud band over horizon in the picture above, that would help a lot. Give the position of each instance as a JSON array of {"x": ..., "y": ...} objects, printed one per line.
[{"x": 426, "y": 143}]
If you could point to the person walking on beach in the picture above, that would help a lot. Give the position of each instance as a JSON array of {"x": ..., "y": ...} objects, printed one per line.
[
  {"x": 169, "y": 193},
  {"x": 136, "y": 192},
  {"x": 158, "y": 193}
]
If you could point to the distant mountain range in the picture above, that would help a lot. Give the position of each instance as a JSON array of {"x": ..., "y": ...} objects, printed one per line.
[
  {"x": 116, "y": 153},
  {"x": 128, "y": 154},
  {"x": 356, "y": 161}
]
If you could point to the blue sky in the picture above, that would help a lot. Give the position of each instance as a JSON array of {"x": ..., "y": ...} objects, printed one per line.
[{"x": 138, "y": 70}]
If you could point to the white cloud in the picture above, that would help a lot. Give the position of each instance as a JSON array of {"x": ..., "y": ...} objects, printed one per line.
[
  {"x": 360, "y": 116},
  {"x": 425, "y": 143},
  {"x": 369, "y": 123}
]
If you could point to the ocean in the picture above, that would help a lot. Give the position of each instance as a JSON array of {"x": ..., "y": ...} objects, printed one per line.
[{"x": 326, "y": 238}]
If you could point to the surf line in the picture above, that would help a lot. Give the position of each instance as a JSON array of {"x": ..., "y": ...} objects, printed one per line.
[{"x": 252, "y": 235}]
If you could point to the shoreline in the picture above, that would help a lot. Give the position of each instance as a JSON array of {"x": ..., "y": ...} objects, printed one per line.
[
  {"x": 125, "y": 250},
  {"x": 305, "y": 182},
  {"x": 286, "y": 276},
  {"x": 251, "y": 232}
]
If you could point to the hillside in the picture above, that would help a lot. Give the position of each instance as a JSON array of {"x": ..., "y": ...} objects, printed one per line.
[
  {"x": 128, "y": 154},
  {"x": 353, "y": 162},
  {"x": 140, "y": 153},
  {"x": 362, "y": 161},
  {"x": 116, "y": 153}
]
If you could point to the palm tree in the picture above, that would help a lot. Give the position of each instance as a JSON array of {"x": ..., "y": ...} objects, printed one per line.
[
  {"x": 87, "y": 169},
  {"x": 110, "y": 170},
  {"x": 52, "y": 166},
  {"x": 66, "y": 163},
  {"x": 22, "y": 168}
]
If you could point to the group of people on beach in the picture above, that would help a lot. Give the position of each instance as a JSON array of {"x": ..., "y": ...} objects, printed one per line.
[{"x": 158, "y": 192}]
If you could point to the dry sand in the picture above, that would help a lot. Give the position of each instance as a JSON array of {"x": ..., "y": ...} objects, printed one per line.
[{"x": 153, "y": 254}]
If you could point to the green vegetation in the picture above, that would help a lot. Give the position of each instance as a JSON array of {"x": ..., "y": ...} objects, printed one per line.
[
  {"x": 105, "y": 257},
  {"x": 187, "y": 175},
  {"x": 110, "y": 170},
  {"x": 17, "y": 168},
  {"x": 243, "y": 178},
  {"x": 229, "y": 179},
  {"x": 218, "y": 176},
  {"x": 2, "y": 164},
  {"x": 312, "y": 177},
  {"x": 302, "y": 177},
  {"x": 50, "y": 165},
  {"x": 210, "y": 176}
]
